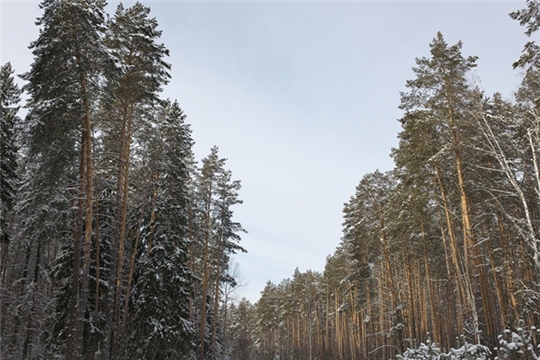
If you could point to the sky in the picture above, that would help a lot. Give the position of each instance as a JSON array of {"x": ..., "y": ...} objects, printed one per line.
[{"x": 302, "y": 99}]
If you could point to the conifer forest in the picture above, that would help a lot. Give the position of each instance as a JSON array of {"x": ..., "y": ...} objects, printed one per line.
[{"x": 117, "y": 243}]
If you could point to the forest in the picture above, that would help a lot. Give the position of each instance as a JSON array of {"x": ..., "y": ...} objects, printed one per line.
[{"x": 117, "y": 243}]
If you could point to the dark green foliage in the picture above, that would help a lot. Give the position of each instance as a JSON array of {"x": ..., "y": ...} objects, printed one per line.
[
  {"x": 68, "y": 47},
  {"x": 162, "y": 329},
  {"x": 530, "y": 19},
  {"x": 139, "y": 71},
  {"x": 161, "y": 297},
  {"x": 9, "y": 106}
]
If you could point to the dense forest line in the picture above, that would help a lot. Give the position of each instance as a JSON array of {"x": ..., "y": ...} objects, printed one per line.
[
  {"x": 440, "y": 256},
  {"x": 116, "y": 242}
]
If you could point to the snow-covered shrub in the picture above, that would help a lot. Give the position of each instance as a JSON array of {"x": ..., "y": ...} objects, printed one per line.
[
  {"x": 518, "y": 344},
  {"x": 468, "y": 352},
  {"x": 431, "y": 351},
  {"x": 427, "y": 351}
]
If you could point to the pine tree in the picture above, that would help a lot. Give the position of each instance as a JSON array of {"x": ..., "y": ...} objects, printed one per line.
[
  {"x": 57, "y": 138},
  {"x": 216, "y": 193},
  {"x": 132, "y": 90},
  {"x": 9, "y": 181},
  {"x": 9, "y": 106},
  {"x": 340, "y": 273},
  {"x": 268, "y": 320},
  {"x": 161, "y": 314},
  {"x": 366, "y": 232},
  {"x": 441, "y": 96},
  {"x": 530, "y": 18}
]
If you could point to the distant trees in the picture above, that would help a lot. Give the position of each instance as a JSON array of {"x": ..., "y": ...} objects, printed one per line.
[
  {"x": 214, "y": 195},
  {"x": 103, "y": 210},
  {"x": 241, "y": 329}
]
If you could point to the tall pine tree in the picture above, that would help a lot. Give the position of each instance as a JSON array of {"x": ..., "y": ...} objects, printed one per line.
[
  {"x": 162, "y": 328},
  {"x": 9, "y": 107},
  {"x": 68, "y": 58}
]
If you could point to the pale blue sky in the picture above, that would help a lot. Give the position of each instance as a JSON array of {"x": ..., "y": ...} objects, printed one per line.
[{"x": 302, "y": 98}]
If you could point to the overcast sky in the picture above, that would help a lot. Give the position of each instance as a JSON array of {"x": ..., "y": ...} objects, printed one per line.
[{"x": 302, "y": 98}]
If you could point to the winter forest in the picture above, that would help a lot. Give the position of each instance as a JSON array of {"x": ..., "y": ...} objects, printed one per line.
[{"x": 116, "y": 242}]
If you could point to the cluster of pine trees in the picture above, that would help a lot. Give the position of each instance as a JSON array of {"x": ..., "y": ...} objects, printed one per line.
[
  {"x": 115, "y": 242},
  {"x": 440, "y": 257}
]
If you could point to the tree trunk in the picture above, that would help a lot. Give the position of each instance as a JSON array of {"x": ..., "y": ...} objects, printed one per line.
[
  {"x": 205, "y": 280},
  {"x": 466, "y": 296},
  {"x": 216, "y": 290},
  {"x": 88, "y": 212},
  {"x": 432, "y": 301},
  {"x": 72, "y": 340}
]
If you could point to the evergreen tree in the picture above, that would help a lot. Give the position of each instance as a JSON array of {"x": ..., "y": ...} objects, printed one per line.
[
  {"x": 161, "y": 313},
  {"x": 9, "y": 106},
  {"x": 366, "y": 232},
  {"x": 132, "y": 88},
  {"x": 242, "y": 328},
  {"x": 267, "y": 323},
  {"x": 530, "y": 19},
  {"x": 441, "y": 95},
  {"x": 57, "y": 142},
  {"x": 216, "y": 193}
]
